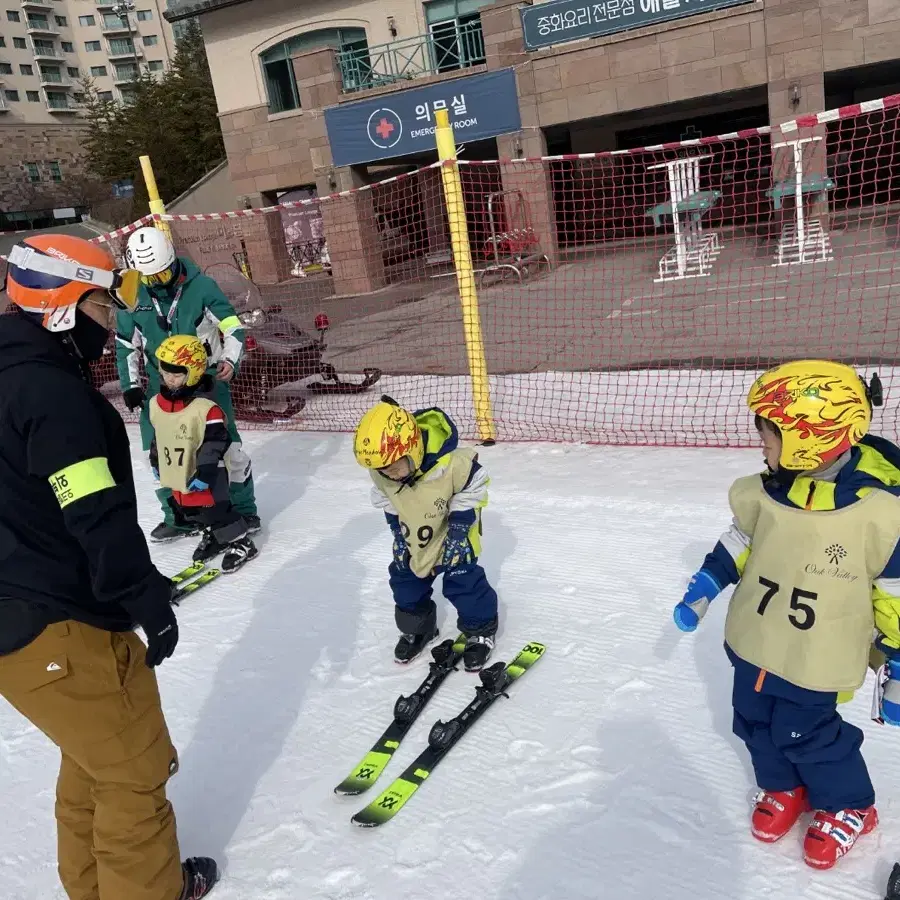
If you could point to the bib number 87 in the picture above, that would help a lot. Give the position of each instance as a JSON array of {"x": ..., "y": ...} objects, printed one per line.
[{"x": 797, "y": 596}]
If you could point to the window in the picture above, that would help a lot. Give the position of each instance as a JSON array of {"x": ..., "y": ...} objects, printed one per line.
[
  {"x": 127, "y": 73},
  {"x": 86, "y": 20},
  {"x": 150, "y": 40},
  {"x": 98, "y": 71},
  {"x": 105, "y": 95},
  {"x": 455, "y": 27},
  {"x": 116, "y": 23},
  {"x": 55, "y": 171},
  {"x": 19, "y": 43},
  {"x": 2, "y": 41},
  {"x": 155, "y": 65},
  {"x": 61, "y": 21},
  {"x": 40, "y": 22},
  {"x": 121, "y": 47},
  {"x": 73, "y": 71},
  {"x": 145, "y": 15},
  {"x": 32, "y": 171},
  {"x": 33, "y": 96},
  {"x": 92, "y": 46},
  {"x": 68, "y": 47},
  {"x": 12, "y": 96},
  {"x": 5, "y": 69},
  {"x": 52, "y": 74},
  {"x": 56, "y": 100},
  {"x": 26, "y": 69},
  {"x": 78, "y": 97},
  {"x": 281, "y": 85},
  {"x": 13, "y": 16}
]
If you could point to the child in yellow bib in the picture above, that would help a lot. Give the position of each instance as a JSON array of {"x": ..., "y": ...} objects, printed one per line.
[
  {"x": 187, "y": 453},
  {"x": 813, "y": 550},
  {"x": 432, "y": 492}
]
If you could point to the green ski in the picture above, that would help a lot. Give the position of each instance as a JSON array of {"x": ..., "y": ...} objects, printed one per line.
[
  {"x": 443, "y": 735},
  {"x": 195, "y": 585},
  {"x": 446, "y": 655},
  {"x": 195, "y": 568}
]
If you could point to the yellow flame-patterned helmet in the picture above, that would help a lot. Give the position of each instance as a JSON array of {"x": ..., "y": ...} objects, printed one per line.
[
  {"x": 386, "y": 433},
  {"x": 183, "y": 352},
  {"x": 821, "y": 408}
]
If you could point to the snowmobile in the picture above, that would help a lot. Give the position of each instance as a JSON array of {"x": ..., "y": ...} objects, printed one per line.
[{"x": 278, "y": 353}]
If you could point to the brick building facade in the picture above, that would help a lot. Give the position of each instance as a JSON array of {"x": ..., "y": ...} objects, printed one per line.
[{"x": 755, "y": 63}]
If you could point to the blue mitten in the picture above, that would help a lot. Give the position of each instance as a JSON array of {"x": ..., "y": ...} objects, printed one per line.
[
  {"x": 890, "y": 700},
  {"x": 400, "y": 549},
  {"x": 702, "y": 589},
  {"x": 457, "y": 546},
  {"x": 197, "y": 485},
  {"x": 889, "y": 690},
  {"x": 155, "y": 472}
]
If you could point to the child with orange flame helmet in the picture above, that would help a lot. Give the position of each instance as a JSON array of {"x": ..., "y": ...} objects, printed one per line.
[{"x": 814, "y": 550}]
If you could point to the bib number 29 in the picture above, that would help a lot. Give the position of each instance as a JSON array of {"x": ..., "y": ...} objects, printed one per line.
[{"x": 804, "y": 616}]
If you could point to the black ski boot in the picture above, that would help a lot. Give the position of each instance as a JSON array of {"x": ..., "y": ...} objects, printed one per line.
[
  {"x": 165, "y": 532},
  {"x": 893, "y": 886},
  {"x": 237, "y": 553},
  {"x": 479, "y": 648},
  {"x": 208, "y": 547},
  {"x": 253, "y": 524},
  {"x": 200, "y": 876},
  {"x": 411, "y": 645}
]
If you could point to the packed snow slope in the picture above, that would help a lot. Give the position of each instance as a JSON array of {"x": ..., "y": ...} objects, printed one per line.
[{"x": 611, "y": 772}]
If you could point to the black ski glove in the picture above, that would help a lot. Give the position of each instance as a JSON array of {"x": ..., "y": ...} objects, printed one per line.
[
  {"x": 134, "y": 398},
  {"x": 155, "y": 615}
]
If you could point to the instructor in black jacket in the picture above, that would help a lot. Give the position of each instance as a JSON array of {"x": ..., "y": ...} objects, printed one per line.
[{"x": 76, "y": 579}]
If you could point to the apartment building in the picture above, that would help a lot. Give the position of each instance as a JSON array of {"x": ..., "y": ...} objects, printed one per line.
[
  {"x": 332, "y": 94},
  {"x": 46, "y": 48}
]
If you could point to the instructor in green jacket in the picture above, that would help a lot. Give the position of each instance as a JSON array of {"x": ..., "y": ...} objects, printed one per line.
[{"x": 177, "y": 298}]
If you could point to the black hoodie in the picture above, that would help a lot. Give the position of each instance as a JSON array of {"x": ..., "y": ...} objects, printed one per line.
[{"x": 70, "y": 543}]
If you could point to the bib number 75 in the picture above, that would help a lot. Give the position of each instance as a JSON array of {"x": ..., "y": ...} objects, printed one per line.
[{"x": 805, "y": 621}]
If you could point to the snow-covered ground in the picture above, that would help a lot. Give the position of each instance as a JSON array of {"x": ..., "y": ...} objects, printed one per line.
[{"x": 610, "y": 773}]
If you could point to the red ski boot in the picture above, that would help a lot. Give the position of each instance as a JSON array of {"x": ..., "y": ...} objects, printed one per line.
[
  {"x": 776, "y": 813},
  {"x": 831, "y": 835}
]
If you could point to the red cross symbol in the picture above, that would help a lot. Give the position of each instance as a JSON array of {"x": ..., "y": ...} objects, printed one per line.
[{"x": 385, "y": 129}]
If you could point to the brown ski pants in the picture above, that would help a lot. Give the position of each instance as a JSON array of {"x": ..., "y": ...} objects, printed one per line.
[{"x": 92, "y": 694}]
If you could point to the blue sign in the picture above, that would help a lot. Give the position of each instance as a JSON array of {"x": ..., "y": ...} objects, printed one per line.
[
  {"x": 402, "y": 123},
  {"x": 559, "y": 21}
]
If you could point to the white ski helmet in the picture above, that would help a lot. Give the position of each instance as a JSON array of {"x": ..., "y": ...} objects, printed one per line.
[{"x": 151, "y": 252}]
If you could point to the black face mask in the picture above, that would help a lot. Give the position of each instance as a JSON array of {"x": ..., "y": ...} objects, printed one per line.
[{"x": 89, "y": 337}]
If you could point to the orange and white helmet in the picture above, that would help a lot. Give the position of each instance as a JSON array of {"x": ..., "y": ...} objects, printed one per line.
[
  {"x": 50, "y": 274},
  {"x": 821, "y": 408}
]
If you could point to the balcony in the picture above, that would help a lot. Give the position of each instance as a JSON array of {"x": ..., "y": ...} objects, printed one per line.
[
  {"x": 59, "y": 103},
  {"x": 45, "y": 51},
  {"x": 101, "y": 4},
  {"x": 449, "y": 47},
  {"x": 37, "y": 5},
  {"x": 124, "y": 52},
  {"x": 121, "y": 79},
  {"x": 41, "y": 27},
  {"x": 117, "y": 25},
  {"x": 56, "y": 80}
]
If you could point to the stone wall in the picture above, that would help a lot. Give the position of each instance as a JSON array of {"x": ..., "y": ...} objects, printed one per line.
[{"x": 41, "y": 144}]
